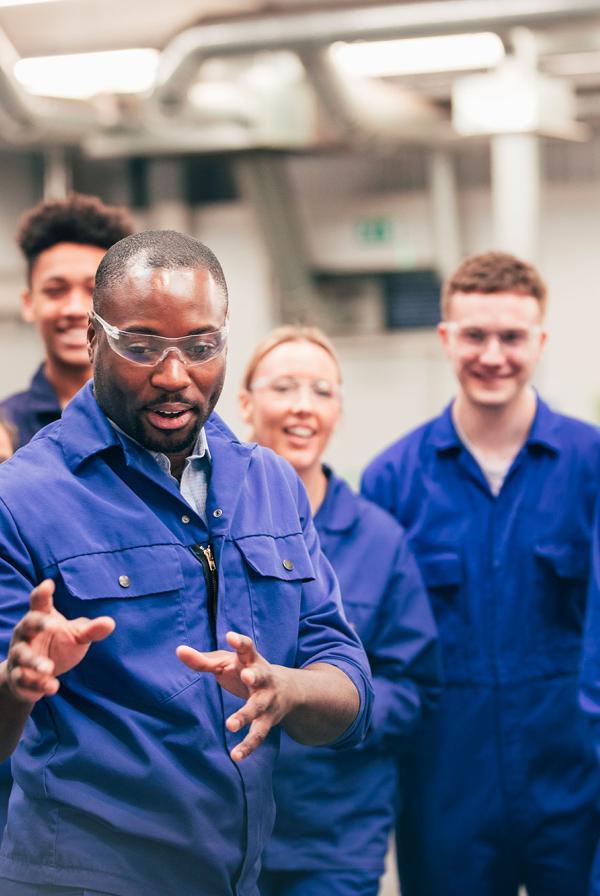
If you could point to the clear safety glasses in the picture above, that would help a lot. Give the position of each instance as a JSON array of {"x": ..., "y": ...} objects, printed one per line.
[
  {"x": 284, "y": 388},
  {"x": 149, "y": 350},
  {"x": 474, "y": 339}
]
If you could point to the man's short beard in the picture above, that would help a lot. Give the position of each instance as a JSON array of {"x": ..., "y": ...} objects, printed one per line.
[{"x": 174, "y": 447}]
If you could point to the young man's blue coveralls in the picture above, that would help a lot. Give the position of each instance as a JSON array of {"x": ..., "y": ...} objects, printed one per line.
[
  {"x": 31, "y": 410},
  {"x": 335, "y": 811},
  {"x": 123, "y": 780},
  {"x": 503, "y": 783}
]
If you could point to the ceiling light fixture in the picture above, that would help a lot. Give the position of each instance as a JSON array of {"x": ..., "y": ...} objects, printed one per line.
[
  {"x": 418, "y": 55},
  {"x": 24, "y": 2},
  {"x": 85, "y": 75}
]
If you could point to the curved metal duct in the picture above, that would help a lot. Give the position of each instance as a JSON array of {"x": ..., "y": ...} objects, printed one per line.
[{"x": 304, "y": 31}]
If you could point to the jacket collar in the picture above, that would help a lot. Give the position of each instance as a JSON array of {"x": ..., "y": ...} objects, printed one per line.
[
  {"x": 42, "y": 396},
  {"x": 339, "y": 510},
  {"x": 86, "y": 432},
  {"x": 543, "y": 432}
]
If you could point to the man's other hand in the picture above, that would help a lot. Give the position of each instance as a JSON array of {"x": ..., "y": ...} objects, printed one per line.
[{"x": 45, "y": 644}]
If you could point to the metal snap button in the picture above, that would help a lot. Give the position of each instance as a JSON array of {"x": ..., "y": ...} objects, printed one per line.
[
  {"x": 185, "y": 518},
  {"x": 218, "y": 512},
  {"x": 288, "y": 565},
  {"x": 124, "y": 581}
]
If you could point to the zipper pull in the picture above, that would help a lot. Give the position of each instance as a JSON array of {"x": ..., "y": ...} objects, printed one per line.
[{"x": 207, "y": 551}]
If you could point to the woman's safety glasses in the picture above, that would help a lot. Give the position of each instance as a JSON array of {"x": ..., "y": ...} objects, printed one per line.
[
  {"x": 149, "y": 350},
  {"x": 282, "y": 388}
]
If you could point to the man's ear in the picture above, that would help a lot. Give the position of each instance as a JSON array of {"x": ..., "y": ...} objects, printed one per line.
[
  {"x": 27, "y": 307},
  {"x": 91, "y": 340},
  {"x": 443, "y": 333}
]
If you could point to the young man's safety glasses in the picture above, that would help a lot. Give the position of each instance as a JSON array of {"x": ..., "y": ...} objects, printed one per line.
[{"x": 148, "y": 350}]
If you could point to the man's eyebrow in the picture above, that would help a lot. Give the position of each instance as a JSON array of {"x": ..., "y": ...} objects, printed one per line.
[
  {"x": 61, "y": 278},
  {"x": 150, "y": 331}
]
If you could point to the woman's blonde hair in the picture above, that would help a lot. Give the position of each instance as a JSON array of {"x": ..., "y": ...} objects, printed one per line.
[{"x": 281, "y": 335}]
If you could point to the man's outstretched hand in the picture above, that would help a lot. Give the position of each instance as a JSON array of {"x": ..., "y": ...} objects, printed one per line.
[
  {"x": 45, "y": 644},
  {"x": 270, "y": 691},
  {"x": 316, "y": 704}
]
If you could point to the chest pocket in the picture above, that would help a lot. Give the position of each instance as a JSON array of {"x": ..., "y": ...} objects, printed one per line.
[
  {"x": 441, "y": 569},
  {"x": 275, "y": 570},
  {"x": 566, "y": 561},
  {"x": 563, "y": 572},
  {"x": 142, "y": 589}
]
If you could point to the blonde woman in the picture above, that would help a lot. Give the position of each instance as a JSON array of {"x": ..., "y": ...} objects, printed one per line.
[{"x": 335, "y": 811}]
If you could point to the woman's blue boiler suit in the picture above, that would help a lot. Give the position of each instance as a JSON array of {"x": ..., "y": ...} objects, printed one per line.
[{"x": 335, "y": 811}]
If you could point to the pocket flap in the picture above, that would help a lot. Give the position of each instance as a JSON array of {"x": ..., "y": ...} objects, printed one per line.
[
  {"x": 440, "y": 568},
  {"x": 569, "y": 561},
  {"x": 133, "y": 572},
  {"x": 284, "y": 558}
]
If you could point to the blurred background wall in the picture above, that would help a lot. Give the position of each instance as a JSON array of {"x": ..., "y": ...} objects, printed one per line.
[{"x": 331, "y": 194}]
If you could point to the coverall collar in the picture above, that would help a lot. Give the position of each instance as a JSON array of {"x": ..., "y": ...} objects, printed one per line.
[
  {"x": 42, "y": 395},
  {"x": 87, "y": 432},
  {"x": 543, "y": 432},
  {"x": 339, "y": 511}
]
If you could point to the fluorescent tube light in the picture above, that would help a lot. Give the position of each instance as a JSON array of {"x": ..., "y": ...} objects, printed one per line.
[
  {"x": 418, "y": 55},
  {"x": 85, "y": 75},
  {"x": 23, "y": 2}
]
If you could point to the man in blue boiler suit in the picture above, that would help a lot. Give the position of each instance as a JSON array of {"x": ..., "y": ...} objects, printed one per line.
[
  {"x": 164, "y": 606},
  {"x": 497, "y": 495}
]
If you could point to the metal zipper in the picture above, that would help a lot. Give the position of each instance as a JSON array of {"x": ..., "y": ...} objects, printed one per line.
[{"x": 204, "y": 554}]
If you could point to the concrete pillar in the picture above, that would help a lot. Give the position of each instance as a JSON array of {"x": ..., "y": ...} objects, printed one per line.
[
  {"x": 444, "y": 211},
  {"x": 57, "y": 173},
  {"x": 516, "y": 184},
  {"x": 264, "y": 184},
  {"x": 167, "y": 205}
]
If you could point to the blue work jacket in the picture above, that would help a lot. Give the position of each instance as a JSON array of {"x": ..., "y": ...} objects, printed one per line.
[
  {"x": 31, "y": 410},
  {"x": 507, "y": 576},
  {"x": 123, "y": 780},
  {"x": 337, "y": 810}
]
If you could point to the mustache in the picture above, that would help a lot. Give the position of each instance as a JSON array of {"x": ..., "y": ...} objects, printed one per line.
[{"x": 171, "y": 398}]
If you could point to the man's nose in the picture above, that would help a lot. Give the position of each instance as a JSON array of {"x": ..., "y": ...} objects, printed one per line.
[
  {"x": 78, "y": 302},
  {"x": 170, "y": 373},
  {"x": 492, "y": 351}
]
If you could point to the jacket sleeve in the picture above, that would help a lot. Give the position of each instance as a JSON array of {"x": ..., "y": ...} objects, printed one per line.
[
  {"x": 324, "y": 634},
  {"x": 404, "y": 654},
  {"x": 17, "y": 578},
  {"x": 589, "y": 697}
]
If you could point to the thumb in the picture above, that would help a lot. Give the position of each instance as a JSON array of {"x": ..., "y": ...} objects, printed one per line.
[
  {"x": 41, "y": 597},
  {"x": 87, "y": 630}
]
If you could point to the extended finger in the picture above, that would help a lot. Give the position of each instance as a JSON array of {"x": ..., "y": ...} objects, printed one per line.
[
  {"x": 41, "y": 597},
  {"x": 210, "y": 661},
  {"x": 256, "y": 706},
  {"x": 255, "y": 737},
  {"x": 255, "y": 676},
  {"x": 22, "y": 656},
  {"x": 243, "y": 646},
  {"x": 31, "y": 625},
  {"x": 30, "y": 685}
]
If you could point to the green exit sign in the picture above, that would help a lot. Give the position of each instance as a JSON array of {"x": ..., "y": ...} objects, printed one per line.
[{"x": 375, "y": 231}]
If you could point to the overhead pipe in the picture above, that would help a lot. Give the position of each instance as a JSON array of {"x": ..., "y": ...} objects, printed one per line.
[
  {"x": 372, "y": 114},
  {"x": 303, "y": 31}
]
